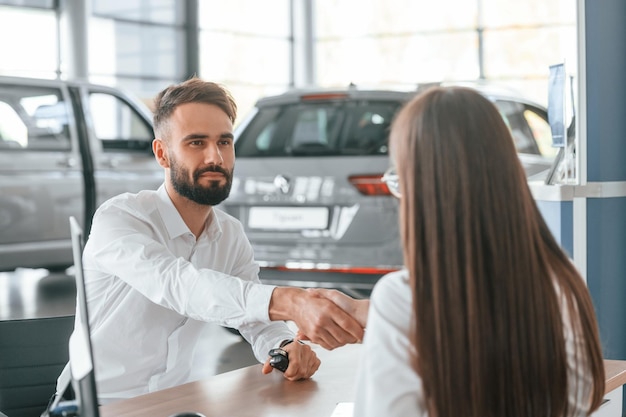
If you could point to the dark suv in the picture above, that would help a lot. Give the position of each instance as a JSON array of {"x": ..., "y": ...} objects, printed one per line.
[{"x": 307, "y": 183}]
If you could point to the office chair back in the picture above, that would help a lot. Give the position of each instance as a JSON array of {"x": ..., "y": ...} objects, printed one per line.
[{"x": 33, "y": 353}]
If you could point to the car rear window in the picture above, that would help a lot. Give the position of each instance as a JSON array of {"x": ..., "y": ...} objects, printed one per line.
[{"x": 322, "y": 128}]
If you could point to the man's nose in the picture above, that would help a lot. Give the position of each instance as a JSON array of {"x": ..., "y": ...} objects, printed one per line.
[{"x": 213, "y": 155}]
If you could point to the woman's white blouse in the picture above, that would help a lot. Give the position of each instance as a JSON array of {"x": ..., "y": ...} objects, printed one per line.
[{"x": 388, "y": 386}]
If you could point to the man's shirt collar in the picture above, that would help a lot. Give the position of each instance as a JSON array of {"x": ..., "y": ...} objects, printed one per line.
[{"x": 175, "y": 224}]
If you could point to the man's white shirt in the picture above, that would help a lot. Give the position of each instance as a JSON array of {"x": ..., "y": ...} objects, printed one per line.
[{"x": 151, "y": 286}]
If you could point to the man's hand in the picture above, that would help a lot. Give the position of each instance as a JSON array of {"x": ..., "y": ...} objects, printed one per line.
[
  {"x": 303, "y": 362},
  {"x": 317, "y": 317},
  {"x": 356, "y": 308}
]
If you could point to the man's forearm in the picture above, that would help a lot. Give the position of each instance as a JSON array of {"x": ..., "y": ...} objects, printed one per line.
[{"x": 286, "y": 302}]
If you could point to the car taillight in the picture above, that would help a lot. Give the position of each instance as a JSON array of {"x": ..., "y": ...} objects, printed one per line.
[{"x": 369, "y": 184}]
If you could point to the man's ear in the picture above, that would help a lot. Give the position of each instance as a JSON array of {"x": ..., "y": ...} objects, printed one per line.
[{"x": 160, "y": 152}]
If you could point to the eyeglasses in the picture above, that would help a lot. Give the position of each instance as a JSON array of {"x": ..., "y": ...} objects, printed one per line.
[{"x": 392, "y": 181}]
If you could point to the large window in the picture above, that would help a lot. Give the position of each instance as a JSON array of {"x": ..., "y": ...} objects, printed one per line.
[
  {"x": 44, "y": 4},
  {"x": 522, "y": 39},
  {"x": 394, "y": 43},
  {"x": 137, "y": 44},
  {"x": 255, "y": 47},
  {"x": 29, "y": 45},
  {"x": 246, "y": 45},
  {"x": 400, "y": 43}
]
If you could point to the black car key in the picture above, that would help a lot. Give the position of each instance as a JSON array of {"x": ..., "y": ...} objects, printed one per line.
[{"x": 279, "y": 359}]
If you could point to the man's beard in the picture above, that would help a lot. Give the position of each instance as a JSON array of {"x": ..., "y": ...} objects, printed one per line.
[{"x": 210, "y": 195}]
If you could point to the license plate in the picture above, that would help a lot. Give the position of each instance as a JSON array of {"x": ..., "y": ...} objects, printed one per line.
[{"x": 288, "y": 218}]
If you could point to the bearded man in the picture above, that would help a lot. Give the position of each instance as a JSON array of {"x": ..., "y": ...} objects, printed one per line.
[{"x": 162, "y": 263}]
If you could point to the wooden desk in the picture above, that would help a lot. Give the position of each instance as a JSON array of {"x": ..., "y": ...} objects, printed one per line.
[
  {"x": 248, "y": 393},
  {"x": 615, "y": 374}
]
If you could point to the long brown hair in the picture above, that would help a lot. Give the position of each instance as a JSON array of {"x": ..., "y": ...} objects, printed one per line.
[{"x": 490, "y": 283}]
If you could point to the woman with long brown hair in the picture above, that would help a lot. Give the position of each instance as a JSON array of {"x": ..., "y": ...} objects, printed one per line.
[{"x": 489, "y": 318}]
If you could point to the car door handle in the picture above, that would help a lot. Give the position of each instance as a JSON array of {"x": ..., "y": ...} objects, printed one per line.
[
  {"x": 111, "y": 163},
  {"x": 69, "y": 162}
]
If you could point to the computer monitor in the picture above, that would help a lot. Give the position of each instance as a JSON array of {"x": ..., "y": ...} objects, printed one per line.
[{"x": 81, "y": 353}]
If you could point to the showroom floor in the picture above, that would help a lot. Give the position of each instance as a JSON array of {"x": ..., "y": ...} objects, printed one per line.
[{"x": 34, "y": 293}]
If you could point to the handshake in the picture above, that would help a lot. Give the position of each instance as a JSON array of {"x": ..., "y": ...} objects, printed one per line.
[
  {"x": 325, "y": 317},
  {"x": 336, "y": 328}
]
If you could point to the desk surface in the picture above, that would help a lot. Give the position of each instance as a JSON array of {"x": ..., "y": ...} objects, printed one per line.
[
  {"x": 247, "y": 392},
  {"x": 615, "y": 374}
]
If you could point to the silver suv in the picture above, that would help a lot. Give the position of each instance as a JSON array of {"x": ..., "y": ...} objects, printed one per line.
[
  {"x": 307, "y": 183},
  {"x": 65, "y": 147}
]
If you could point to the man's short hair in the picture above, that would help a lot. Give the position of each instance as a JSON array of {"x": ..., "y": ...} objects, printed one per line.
[{"x": 194, "y": 90}]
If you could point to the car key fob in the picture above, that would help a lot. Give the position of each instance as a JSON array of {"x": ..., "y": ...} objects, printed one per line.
[{"x": 279, "y": 359}]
